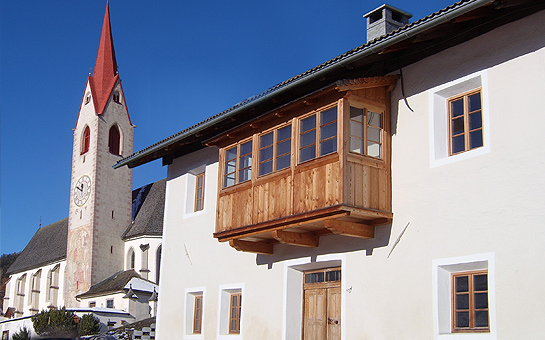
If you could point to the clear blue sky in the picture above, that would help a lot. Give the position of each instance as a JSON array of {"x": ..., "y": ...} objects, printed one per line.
[{"x": 180, "y": 62}]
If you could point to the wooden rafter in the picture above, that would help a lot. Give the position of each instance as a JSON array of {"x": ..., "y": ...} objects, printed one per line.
[
  {"x": 350, "y": 228},
  {"x": 297, "y": 239},
  {"x": 252, "y": 247}
]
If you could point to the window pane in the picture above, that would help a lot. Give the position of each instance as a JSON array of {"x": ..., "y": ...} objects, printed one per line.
[
  {"x": 457, "y": 108},
  {"x": 481, "y": 318},
  {"x": 328, "y": 131},
  {"x": 229, "y": 180},
  {"x": 373, "y": 149},
  {"x": 244, "y": 175},
  {"x": 475, "y": 139},
  {"x": 283, "y": 147},
  {"x": 475, "y": 120},
  {"x": 308, "y": 138},
  {"x": 230, "y": 167},
  {"x": 462, "y": 284},
  {"x": 356, "y": 114},
  {"x": 480, "y": 282},
  {"x": 458, "y": 144},
  {"x": 462, "y": 319},
  {"x": 474, "y": 102},
  {"x": 374, "y": 118},
  {"x": 462, "y": 301},
  {"x": 245, "y": 161},
  {"x": 332, "y": 276},
  {"x": 307, "y": 153},
  {"x": 356, "y": 129},
  {"x": 265, "y": 154},
  {"x": 481, "y": 300},
  {"x": 265, "y": 168},
  {"x": 373, "y": 134},
  {"x": 231, "y": 154},
  {"x": 283, "y": 133},
  {"x": 356, "y": 145},
  {"x": 266, "y": 140},
  {"x": 308, "y": 123},
  {"x": 283, "y": 162},
  {"x": 328, "y": 146},
  {"x": 246, "y": 148},
  {"x": 458, "y": 125},
  {"x": 328, "y": 116}
]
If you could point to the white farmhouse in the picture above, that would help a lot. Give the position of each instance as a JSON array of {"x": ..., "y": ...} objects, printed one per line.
[{"x": 393, "y": 192}]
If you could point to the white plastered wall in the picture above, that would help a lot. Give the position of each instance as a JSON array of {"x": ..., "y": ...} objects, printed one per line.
[{"x": 154, "y": 242}]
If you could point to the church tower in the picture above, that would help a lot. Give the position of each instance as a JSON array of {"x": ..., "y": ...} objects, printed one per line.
[{"x": 100, "y": 197}]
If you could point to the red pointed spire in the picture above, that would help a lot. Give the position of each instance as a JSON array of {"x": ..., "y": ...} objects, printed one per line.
[{"x": 105, "y": 72}]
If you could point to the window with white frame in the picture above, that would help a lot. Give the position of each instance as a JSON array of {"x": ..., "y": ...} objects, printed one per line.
[
  {"x": 464, "y": 297},
  {"x": 459, "y": 119},
  {"x": 52, "y": 289},
  {"x": 230, "y": 315},
  {"x": 194, "y": 311},
  {"x": 34, "y": 293},
  {"x": 20, "y": 293}
]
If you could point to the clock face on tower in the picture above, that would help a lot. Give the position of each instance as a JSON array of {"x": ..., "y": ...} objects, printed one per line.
[{"x": 82, "y": 190}]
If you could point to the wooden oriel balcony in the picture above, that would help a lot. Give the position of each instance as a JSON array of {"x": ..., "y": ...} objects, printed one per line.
[{"x": 346, "y": 191}]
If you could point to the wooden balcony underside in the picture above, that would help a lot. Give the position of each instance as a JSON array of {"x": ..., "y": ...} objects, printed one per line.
[{"x": 305, "y": 229}]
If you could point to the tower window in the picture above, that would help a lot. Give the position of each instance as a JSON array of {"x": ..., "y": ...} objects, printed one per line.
[
  {"x": 116, "y": 97},
  {"x": 87, "y": 98},
  {"x": 114, "y": 140},
  {"x": 86, "y": 140}
]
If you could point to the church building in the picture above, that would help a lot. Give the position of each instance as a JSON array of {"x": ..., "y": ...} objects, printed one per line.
[{"x": 105, "y": 256}]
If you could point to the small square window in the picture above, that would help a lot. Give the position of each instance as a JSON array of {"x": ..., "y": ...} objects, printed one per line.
[
  {"x": 109, "y": 303},
  {"x": 470, "y": 302},
  {"x": 466, "y": 122}
]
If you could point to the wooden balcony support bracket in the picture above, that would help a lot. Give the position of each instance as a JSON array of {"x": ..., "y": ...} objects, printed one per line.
[
  {"x": 350, "y": 228},
  {"x": 252, "y": 247},
  {"x": 296, "y": 239}
]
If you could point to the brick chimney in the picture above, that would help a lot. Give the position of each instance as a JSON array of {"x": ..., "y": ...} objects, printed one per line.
[{"x": 384, "y": 20}]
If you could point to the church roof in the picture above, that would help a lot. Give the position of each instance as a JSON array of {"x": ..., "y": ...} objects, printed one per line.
[
  {"x": 46, "y": 246},
  {"x": 148, "y": 209},
  {"x": 49, "y": 243},
  {"x": 113, "y": 284}
]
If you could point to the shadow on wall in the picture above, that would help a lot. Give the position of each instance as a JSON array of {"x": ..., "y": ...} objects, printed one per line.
[{"x": 329, "y": 244}]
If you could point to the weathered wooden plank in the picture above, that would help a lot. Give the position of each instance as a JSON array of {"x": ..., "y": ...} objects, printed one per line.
[
  {"x": 252, "y": 247},
  {"x": 298, "y": 239},
  {"x": 350, "y": 228}
]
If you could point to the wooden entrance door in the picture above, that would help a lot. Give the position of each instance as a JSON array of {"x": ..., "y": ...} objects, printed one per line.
[{"x": 322, "y": 305}]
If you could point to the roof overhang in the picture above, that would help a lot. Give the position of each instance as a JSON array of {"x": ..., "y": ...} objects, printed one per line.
[{"x": 448, "y": 27}]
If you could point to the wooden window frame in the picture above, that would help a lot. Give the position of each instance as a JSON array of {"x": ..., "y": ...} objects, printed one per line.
[
  {"x": 199, "y": 202},
  {"x": 466, "y": 129},
  {"x": 366, "y": 125},
  {"x": 274, "y": 146},
  {"x": 197, "y": 314},
  {"x": 471, "y": 309},
  {"x": 114, "y": 140},
  {"x": 237, "y": 308},
  {"x": 318, "y": 133},
  {"x": 237, "y": 159}
]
